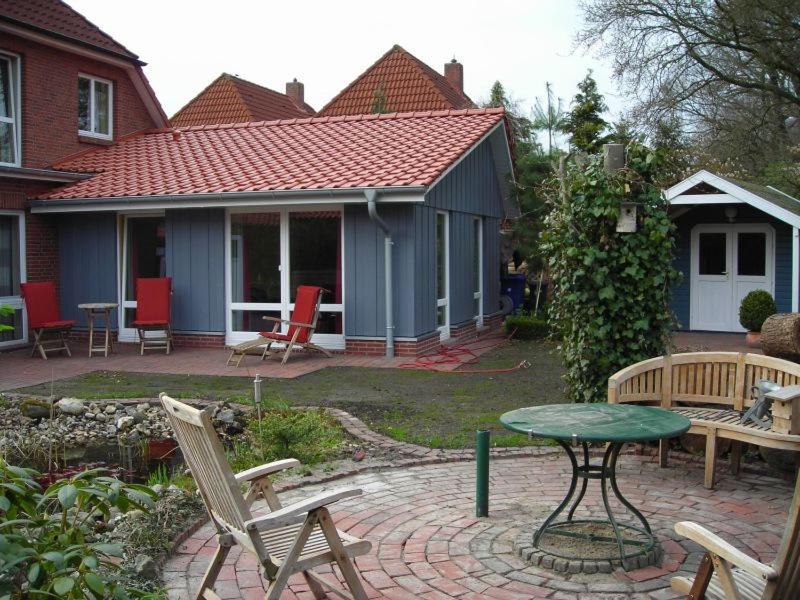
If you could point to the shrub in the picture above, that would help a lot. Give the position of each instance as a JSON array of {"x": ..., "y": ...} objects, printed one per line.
[
  {"x": 310, "y": 436},
  {"x": 755, "y": 308},
  {"x": 527, "y": 327},
  {"x": 50, "y": 546}
]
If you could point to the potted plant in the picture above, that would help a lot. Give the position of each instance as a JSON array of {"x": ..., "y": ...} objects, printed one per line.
[{"x": 756, "y": 307}]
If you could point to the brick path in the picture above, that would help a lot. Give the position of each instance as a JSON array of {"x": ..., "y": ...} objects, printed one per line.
[{"x": 427, "y": 544}]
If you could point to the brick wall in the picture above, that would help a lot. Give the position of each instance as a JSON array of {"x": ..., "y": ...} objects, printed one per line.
[
  {"x": 50, "y": 101},
  {"x": 401, "y": 347},
  {"x": 188, "y": 340}
]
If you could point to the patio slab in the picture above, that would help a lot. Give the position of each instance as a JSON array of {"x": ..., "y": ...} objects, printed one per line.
[{"x": 428, "y": 544}]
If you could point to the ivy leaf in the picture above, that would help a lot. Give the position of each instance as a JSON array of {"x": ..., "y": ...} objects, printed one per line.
[{"x": 606, "y": 293}]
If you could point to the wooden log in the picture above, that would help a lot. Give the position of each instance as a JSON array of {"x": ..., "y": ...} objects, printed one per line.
[{"x": 780, "y": 336}]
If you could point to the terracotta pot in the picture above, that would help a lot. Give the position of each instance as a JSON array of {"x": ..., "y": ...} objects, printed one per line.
[{"x": 753, "y": 339}]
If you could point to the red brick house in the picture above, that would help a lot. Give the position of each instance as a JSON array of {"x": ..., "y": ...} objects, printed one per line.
[
  {"x": 399, "y": 82},
  {"x": 65, "y": 87},
  {"x": 231, "y": 99}
]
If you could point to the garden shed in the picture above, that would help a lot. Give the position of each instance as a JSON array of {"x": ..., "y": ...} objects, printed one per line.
[{"x": 732, "y": 237}]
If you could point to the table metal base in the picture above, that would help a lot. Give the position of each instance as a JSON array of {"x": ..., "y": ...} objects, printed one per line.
[{"x": 607, "y": 474}]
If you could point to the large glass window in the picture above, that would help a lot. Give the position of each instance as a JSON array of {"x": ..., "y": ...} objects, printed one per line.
[
  {"x": 95, "y": 106},
  {"x": 9, "y": 123},
  {"x": 713, "y": 254},
  {"x": 145, "y": 256},
  {"x": 256, "y": 257},
  {"x": 10, "y": 277}
]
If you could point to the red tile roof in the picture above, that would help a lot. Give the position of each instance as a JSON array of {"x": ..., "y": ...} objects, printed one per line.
[
  {"x": 229, "y": 99},
  {"x": 407, "y": 149},
  {"x": 60, "y": 19},
  {"x": 407, "y": 83}
]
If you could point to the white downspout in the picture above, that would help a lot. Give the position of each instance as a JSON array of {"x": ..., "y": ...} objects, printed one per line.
[{"x": 371, "y": 195}]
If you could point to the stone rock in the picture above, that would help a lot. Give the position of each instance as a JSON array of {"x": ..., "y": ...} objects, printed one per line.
[
  {"x": 144, "y": 566},
  {"x": 143, "y": 407},
  {"x": 111, "y": 430},
  {"x": 71, "y": 406},
  {"x": 35, "y": 409},
  {"x": 110, "y": 409},
  {"x": 226, "y": 416},
  {"x": 158, "y": 489},
  {"x": 124, "y": 423}
]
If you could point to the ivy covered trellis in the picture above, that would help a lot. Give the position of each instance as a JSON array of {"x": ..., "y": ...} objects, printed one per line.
[{"x": 611, "y": 290}]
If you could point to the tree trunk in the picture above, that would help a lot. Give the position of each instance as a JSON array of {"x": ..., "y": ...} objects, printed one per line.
[{"x": 780, "y": 336}]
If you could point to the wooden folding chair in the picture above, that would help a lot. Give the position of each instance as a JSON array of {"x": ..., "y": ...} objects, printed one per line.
[
  {"x": 50, "y": 331},
  {"x": 289, "y": 539},
  {"x": 302, "y": 324},
  {"x": 152, "y": 313},
  {"x": 726, "y": 573}
]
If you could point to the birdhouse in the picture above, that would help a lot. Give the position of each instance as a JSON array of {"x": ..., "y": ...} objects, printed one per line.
[{"x": 626, "y": 223}]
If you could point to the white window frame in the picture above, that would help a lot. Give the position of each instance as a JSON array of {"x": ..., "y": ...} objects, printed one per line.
[
  {"x": 16, "y": 301},
  {"x": 285, "y": 306},
  {"x": 128, "y": 334},
  {"x": 478, "y": 294},
  {"x": 92, "y": 80},
  {"x": 16, "y": 106},
  {"x": 444, "y": 330}
]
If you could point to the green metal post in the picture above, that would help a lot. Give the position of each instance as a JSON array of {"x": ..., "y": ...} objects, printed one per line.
[{"x": 482, "y": 476}]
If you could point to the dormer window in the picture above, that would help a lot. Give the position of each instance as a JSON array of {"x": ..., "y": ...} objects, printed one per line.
[
  {"x": 9, "y": 110},
  {"x": 95, "y": 102}
]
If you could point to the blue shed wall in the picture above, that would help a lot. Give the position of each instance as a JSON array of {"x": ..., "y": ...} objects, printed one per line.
[
  {"x": 87, "y": 262},
  {"x": 681, "y": 293},
  {"x": 195, "y": 247}
]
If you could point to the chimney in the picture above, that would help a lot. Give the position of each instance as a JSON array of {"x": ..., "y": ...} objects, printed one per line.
[
  {"x": 454, "y": 73},
  {"x": 296, "y": 92}
]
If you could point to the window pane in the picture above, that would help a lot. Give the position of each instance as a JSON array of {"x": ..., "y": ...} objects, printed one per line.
[
  {"x": 7, "y": 154},
  {"x": 15, "y": 321},
  {"x": 440, "y": 316},
  {"x": 6, "y": 100},
  {"x": 752, "y": 254},
  {"x": 713, "y": 251},
  {"x": 440, "y": 255},
  {"x": 9, "y": 255},
  {"x": 256, "y": 257},
  {"x": 83, "y": 104},
  {"x": 251, "y": 320},
  {"x": 329, "y": 322},
  {"x": 145, "y": 252},
  {"x": 101, "y": 108},
  {"x": 315, "y": 252}
]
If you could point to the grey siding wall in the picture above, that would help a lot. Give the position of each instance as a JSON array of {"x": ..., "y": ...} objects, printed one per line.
[
  {"x": 87, "y": 262},
  {"x": 365, "y": 307},
  {"x": 491, "y": 265},
  {"x": 195, "y": 241},
  {"x": 681, "y": 294}
]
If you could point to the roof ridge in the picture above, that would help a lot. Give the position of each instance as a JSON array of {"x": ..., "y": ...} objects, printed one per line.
[
  {"x": 232, "y": 80},
  {"x": 200, "y": 93},
  {"x": 451, "y": 112},
  {"x": 433, "y": 75}
]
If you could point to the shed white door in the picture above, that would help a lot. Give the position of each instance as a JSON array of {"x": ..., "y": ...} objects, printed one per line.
[{"x": 728, "y": 262}]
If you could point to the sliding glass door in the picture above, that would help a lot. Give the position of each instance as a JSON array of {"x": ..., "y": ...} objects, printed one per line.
[
  {"x": 269, "y": 254},
  {"x": 143, "y": 255},
  {"x": 12, "y": 273}
]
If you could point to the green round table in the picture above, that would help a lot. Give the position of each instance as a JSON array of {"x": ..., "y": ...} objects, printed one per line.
[{"x": 578, "y": 425}]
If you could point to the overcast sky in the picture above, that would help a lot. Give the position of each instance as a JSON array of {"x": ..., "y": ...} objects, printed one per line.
[{"x": 326, "y": 44}]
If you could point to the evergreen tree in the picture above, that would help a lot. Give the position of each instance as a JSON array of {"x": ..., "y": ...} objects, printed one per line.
[
  {"x": 549, "y": 118},
  {"x": 584, "y": 123}
]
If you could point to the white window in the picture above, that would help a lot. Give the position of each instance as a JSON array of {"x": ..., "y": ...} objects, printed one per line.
[
  {"x": 477, "y": 269},
  {"x": 12, "y": 273},
  {"x": 95, "y": 106},
  {"x": 9, "y": 110}
]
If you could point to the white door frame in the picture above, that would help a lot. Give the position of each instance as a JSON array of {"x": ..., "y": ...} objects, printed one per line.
[
  {"x": 285, "y": 306},
  {"x": 127, "y": 334},
  {"x": 730, "y": 229},
  {"x": 16, "y": 301},
  {"x": 444, "y": 330}
]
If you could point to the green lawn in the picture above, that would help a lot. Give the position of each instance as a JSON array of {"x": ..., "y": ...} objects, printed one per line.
[{"x": 434, "y": 409}]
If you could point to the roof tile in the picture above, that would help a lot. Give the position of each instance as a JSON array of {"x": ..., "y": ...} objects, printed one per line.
[{"x": 363, "y": 151}]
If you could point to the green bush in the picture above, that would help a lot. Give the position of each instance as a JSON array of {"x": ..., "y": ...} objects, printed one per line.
[
  {"x": 311, "y": 436},
  {"x": 49, "y": 540},
  {"x": 527, "y": 327},
  {"x": 755, "y": 308}
]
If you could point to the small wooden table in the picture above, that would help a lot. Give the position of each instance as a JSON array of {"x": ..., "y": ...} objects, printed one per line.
[
  {"x": 579, "y": 425},
  {"x": 99, "y": 309}
]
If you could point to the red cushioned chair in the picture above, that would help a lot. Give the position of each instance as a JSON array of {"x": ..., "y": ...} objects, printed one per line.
[
  {"x": 301, "y": 327},
  {"x": 152, "y": 312},
  {"x": 50, "y": 331}
]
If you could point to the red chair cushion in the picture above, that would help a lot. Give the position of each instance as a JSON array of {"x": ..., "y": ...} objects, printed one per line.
[
  {"x": 281, "y": 337},
  {"x": 64, "y": 324},
  {"x": 148, "y": 323},
  {"x": 305, "y": 307},
  {"x": 152, "y": 300},
  {"x": 40, "y": 303}
]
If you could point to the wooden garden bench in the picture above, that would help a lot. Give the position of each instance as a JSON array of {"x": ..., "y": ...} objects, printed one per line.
[{"x": 712, "y": 389}]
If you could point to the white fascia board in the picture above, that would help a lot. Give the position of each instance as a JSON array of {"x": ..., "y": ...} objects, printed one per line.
[
  {"x": 736, "y": 192},
  {"x": 136, "y": 204},
  {"x": 704, "y": 199}
]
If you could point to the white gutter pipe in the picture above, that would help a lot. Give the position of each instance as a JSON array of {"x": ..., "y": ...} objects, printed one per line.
[{"x": 371, "y": 195}]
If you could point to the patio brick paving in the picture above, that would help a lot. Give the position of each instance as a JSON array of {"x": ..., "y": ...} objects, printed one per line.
[{"x": 427, "y": 543}]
